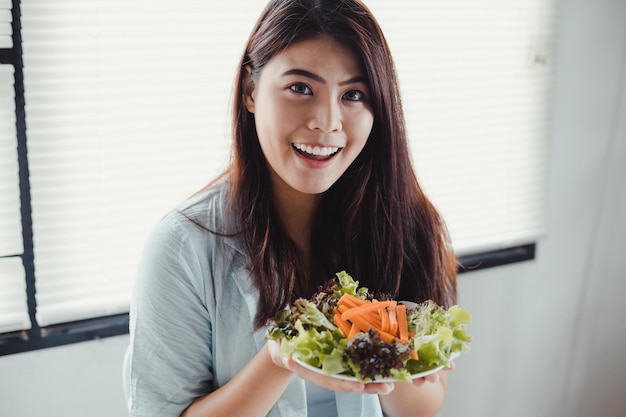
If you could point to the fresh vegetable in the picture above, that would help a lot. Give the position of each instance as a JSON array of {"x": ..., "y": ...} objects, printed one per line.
[
  {"x": 344, "y": 330},
  {"x": 354, "y": 315},
  {"x": 371, "y": 358}
]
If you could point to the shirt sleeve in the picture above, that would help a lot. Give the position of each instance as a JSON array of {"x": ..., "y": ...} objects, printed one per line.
[{"x": 170, "y": 326}]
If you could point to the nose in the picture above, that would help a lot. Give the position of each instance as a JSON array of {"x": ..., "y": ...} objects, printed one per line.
[{"x": 326, "y": 116}]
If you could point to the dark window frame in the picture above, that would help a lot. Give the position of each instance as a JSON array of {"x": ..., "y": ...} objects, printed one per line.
[
  {"x": 38, "y": 337},
  {"x": 97, "y": 328}
]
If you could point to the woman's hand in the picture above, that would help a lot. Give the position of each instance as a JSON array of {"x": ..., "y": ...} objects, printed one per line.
[
  {"x": 328, "y": 382},
  {"x": 423, "y": 398}
]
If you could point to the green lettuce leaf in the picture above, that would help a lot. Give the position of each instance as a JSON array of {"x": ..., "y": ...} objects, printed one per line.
[
  {"x": 321, "y": 348},
  {"x": 439, "y": 335}
]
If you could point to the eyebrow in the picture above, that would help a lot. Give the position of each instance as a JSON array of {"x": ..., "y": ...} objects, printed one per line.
[{"x": 309, "y": 74}]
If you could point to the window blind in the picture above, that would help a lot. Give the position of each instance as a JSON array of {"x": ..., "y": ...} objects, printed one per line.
[
  {"x": 127, "y": 114},
  {"x": 6, "y": 39},
  {"x": 10, "y": 220},
  {"x": 128, "y": 111},
  {"x": 476, "y": 82},
  {"x": 13, "y": 305}
]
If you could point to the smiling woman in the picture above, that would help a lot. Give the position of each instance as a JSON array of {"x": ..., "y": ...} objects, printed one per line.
[{"x": 321, "y": 180}]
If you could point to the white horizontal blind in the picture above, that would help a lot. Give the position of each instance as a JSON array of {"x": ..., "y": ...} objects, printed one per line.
[
  {"x": 10, "y": 220},
  {"x": 127, "y": 114},
  {"x": 13, "y": 307},
  {"x": 6, "y": 32},
  {"x": 476, "y": 80},
  {"x": 13, "y": 304}
]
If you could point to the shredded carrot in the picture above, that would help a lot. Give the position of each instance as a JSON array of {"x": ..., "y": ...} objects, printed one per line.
[
  {"x": 364, "y": 324},
  {"x": 403, "y": 325},
  {"x": 343, "y": 308},
  {"x": 387, "y": 318},
  {"x": 393, "y": 320},
  {"x": 365, "y": 308},
  {"x": 351, "y": 300},
  {"x": 384, "y": 320},
  {"x": 353, "y": 331},
  {"x": 343, "y": 325}
]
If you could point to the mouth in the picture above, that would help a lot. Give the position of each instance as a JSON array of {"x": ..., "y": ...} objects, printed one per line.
[{"x": 318, "y": 153}]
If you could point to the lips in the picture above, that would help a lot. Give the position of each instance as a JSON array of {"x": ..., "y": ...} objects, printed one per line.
[{"x": 318, "y": 153}]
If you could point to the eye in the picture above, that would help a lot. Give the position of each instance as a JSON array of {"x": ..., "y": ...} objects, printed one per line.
[
  {"x": 301, "y": 88},
  {"x": 354, "y": 95}
]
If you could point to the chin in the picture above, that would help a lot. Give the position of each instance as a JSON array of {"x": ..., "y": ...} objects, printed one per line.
[{"x": 313, "y": 189}]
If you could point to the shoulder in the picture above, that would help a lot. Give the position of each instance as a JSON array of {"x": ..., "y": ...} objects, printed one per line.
[
  {"x": 201, "y": 226},
  {"x": 187, "y": 248},
  {"x": 207, "y": 208},
  {"x": 205, "y": 213}
]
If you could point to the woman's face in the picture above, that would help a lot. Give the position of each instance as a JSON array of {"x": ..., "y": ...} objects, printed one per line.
[{"x": 312, "y": 113}]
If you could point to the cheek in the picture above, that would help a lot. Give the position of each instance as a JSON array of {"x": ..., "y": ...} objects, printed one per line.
[
  {"x": 275, "y": 118},
  {"x": 362, "y": 127}
]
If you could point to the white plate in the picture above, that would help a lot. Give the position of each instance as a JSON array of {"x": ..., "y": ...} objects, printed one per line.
[{"x": 352, "y": 378}]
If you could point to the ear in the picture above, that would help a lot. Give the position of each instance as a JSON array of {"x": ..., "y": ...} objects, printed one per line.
[{"x": 248, "y": 89}]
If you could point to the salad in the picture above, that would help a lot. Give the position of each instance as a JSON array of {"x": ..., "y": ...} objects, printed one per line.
[{"x": 343, "y": 330}]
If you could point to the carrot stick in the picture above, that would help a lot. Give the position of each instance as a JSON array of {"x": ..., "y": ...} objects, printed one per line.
[
  {"x": 403, "y": 325},
  {"x": 393, "y": 320},
  {"x": 374, "y": 318},
  {"x": 354, "y": 330},
  {"x": 351, "y": 300},
  {"x": 389, "y": 338},
  {"x": 365, "y": 308},
  {"x": 363, "y": 323},
  {"x": 343, "y": 308},
  {"x": 343, "y": 325},
  {"x": 384, "y": 319}
]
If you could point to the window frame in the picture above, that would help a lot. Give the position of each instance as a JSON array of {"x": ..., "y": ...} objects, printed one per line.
[{"x": 38, "y": 337}]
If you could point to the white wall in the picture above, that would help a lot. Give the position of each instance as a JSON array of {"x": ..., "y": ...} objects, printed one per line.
[
  {"x": 549, "y": 334},
  {"x": 80, "y": 380}
]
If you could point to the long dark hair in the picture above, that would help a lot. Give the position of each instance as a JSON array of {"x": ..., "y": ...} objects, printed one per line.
[{"x": 374, "y": 222}]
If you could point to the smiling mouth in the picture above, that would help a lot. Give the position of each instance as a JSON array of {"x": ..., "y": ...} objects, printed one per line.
[{"x": 316, "y": 152}]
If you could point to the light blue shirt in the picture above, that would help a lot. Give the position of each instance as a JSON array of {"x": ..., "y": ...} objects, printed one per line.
[
  {"x": 191, "y": 318},
  {"x": 320, "y": 402}
]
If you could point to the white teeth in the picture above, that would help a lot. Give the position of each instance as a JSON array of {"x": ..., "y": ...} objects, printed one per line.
[{"x": 316, "y": 150}]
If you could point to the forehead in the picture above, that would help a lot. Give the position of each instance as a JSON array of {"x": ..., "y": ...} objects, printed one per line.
[{"x": 323, "y": 55}]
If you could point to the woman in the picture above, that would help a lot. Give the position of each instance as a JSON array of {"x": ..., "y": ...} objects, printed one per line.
[{"x": 320, "y": 181}]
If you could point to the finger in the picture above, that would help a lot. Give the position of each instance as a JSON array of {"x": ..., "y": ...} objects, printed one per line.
[
  {"x": 337, "y": 384},
  {"x": 418, "y": 382},
  {"x": 325, "y": 381},
  {"x": 432, "y": 378},
  {"x": 381, "y": 388},
  {"x": 277, "y": 356}
]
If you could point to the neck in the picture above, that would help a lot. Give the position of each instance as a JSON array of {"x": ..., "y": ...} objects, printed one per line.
[{"x": 296, "y": 213}]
